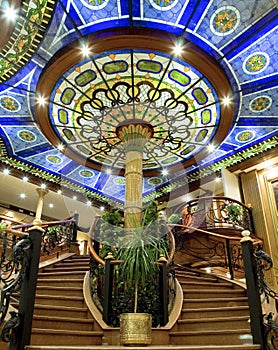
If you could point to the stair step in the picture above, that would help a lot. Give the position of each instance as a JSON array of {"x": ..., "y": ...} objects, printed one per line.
[
  {"x": 150, "y": 347},
  {"x": 200, "y": 293},
  {"x": 58, "y": 275},
  {"x": 185, "y": 277},
  {"x": 213, "y": 337},
  {"x": 65, "y": 282},
  {"x": 211, "y": 302},
  {"x": 71, "y": 269},
  {"x": 213, "y": 323},
  {"x": 63, "y": 337},
  {"x": 61, "y": 300},
  {"x": 58, "y": 290},
  {"x": 208, "y": 285},
  {"x": 81, "y": 264},
  {"x": 215, "y": 311},
  {"x": 61, "y": 311},
  {"x": 69, "y": 323}
]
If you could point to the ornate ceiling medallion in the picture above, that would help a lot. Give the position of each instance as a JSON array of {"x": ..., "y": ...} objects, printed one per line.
[{"x": 93, "y": 98}]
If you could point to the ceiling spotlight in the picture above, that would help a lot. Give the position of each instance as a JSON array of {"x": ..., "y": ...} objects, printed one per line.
[
  {"x": 89, "y": 203},
  {"x": 59, "y": 192},
  {"x": 60, "y": 147},
  {"x": 211, "y": 148},
  {"x": 164, "y": 172},
  {"x": 51, "y": 205},
  {"x": 43, "y": 186},
  {"x": 10, "y": 13},
  {"x": 102, "y": 208},
  {"x": 178, "y": 49},
  {"x": 25, "y": 179},
  {"x": 226, "y": 101},
  {"x": 217, "y": 179},
  {"x": 6, "y": 171},
  {"x": 41, "y": 100},
  {"x": 85, "y": 50},
  {"x": 74, "y": 198},
  {"x": 22, "y": 195}
]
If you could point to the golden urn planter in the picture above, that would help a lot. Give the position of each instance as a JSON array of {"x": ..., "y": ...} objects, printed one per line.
[{"x": 135, "y": 329}]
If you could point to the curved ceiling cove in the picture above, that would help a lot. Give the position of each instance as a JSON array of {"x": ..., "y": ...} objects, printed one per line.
[{"x": 89, "y": 101}]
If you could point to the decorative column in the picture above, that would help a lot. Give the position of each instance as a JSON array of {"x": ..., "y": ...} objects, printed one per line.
[
  {"x": 134, "y": 137},
  {"x": 42, "y": 192}
]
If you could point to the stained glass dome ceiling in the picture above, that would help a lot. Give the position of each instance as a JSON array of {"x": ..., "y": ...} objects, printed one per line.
[
  {"x": 99, "y": 94},
  {"x": 131, "y": 73}
]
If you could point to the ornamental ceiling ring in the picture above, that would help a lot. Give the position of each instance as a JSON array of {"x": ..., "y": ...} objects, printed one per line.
[{"x": 134, "y": 78}]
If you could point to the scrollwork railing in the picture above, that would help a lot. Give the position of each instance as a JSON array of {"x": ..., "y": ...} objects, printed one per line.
[
  {"x": 265, "y": 263},
  {"x": 216, "y": 213},
  {"x": 15, "y": 257}
]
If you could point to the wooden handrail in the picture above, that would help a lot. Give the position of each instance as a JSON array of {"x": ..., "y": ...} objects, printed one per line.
[
  {"x": 235, "y": 238},
  {"x": 100, "y": 261}
]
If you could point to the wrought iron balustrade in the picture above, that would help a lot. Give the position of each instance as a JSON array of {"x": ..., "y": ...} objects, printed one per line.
[
  {"x": 21, "y": 248},
  {"x": 217, "y": 213}
]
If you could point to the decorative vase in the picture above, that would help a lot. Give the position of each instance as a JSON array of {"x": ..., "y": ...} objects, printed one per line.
[{"x": 135, "y": 329}]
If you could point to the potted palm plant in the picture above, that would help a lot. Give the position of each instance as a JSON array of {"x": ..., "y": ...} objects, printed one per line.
[{"x": 139, "y": 253}]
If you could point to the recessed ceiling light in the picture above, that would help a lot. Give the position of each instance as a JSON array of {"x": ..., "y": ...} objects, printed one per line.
[
  {"x": 226, "y": 101},
  {"x": 51, "y": 205},
  {"x": 25, "y": 178},
  {"x": 217, "y": 179},
  {"x": 211, "y": 148},
  {"x": 101, "y": 208},
  {"x": 89, "y": 203},
  {"x": 41, "y": 100},
  {"x": 60, "y": 147},
  {"x": 59, "y": 192},
  {"x": 74, "y": 198},
  {"x": 10, "y": 13},
  {"x": 6, "y": 171},
  {"x": 22, "y": 195},
  {"x": 43, "y": 186},
  {"x": 164, "y": 172},
  {"x": 178, "y": 48},
  {"x": 85, "y": 50}
]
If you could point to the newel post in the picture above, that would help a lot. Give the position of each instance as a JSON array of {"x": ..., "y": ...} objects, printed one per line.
[
  {"x": 254, "y": 301},
  {"x": 107, "y": 290},
  {"x": 28, "y": 290},
  {"x": 163, "y": 291},
  {"x": 74, "y": 245}
]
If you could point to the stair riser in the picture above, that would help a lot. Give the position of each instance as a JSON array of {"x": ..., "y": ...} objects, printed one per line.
[
  {"x": 60, "y": 301},
  {"x": 65, "y": 292},
  {"x": 216, "y": 313},
  {"x": 211, "y": 303},
  {"x": 213, "y": 325},
  {"x": 66, "y": 269},
  {"x": 211, "y": 339},
  {"x": 197, "y": 294},
  {"x": 75, "y": 326},
  {"x": 61, "y": 275},
  {"x": 243, "y": 347},
  {"x": 73, "y": 266},
  {"x": 59, "y": 339},
  {"x": 196, "y": 286},
  {"x": 60, "y": 282},
  {"x": 60, "y": 313}
]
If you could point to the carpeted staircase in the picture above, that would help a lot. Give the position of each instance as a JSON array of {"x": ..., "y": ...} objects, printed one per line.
[
  {"x": 214, "y": 314},
  {"x": 60, "y": 315}
]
